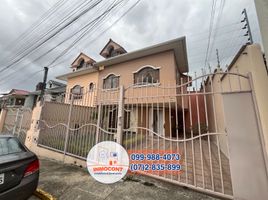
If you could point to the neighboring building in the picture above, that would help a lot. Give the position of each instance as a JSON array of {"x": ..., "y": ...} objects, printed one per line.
[
  {"x": 15, "y": 98},
  {"x": 162, "y": 64},
  {"x": 55, "y": 91}
]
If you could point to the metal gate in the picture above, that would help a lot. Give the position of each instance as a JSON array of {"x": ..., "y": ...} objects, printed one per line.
[
  {"x": 152, "y": 117},
  {"x": 84, "y": 118},
  {"x": 163, "y": 118},
  {"x": 17, "y": 122}
]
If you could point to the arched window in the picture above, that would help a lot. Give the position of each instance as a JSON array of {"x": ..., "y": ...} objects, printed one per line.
[
  {"x": 146, "y": 75},
  {"x": 111, "y": 81},
  {"x": 91, "y": 87},
  {"x": 81, "y": 64},
  {"x": 77, "y": 91},
  {"x": 111, "y": 51}
]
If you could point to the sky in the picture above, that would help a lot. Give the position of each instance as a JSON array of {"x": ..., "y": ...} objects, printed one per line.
[{"x": 148, "y": 23}]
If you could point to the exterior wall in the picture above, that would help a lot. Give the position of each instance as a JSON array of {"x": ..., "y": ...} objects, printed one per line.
[
  {"x": 196, "y": 114},
  {"x": 31, "y": 142},
  {"x": 83, "y": 81},
  {"x": 262, "y": 12},
  {"x": 216, "y": 121},
  {"x": 163, "y": 60},
  {"x": 251, "y": 60},
  {"x": 168, "y": 76},
  {"x": 29, "y": 101}
]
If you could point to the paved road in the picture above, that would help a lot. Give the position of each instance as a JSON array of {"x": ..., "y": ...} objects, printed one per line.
[{"x": 68, "y": 182}]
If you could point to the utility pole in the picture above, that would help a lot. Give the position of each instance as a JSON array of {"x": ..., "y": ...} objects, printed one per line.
[
  {"x": 247, "y": 26},
  {"x": 262, "y": 13},
  {"x": 218, "y": 58},
  {"x": 44, "y": 84}
]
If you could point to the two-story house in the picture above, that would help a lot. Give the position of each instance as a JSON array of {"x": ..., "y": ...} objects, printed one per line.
[{"x": 149, "y": 77}]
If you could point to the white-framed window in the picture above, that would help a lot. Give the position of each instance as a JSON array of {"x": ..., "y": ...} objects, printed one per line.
[
  {"x": 146, "y": 76},
  {"x": 111, "y": 82},
  {"x": 81, "y": 64}
]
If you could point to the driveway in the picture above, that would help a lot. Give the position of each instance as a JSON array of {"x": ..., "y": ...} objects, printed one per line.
[{"x": 66, "y": 182}]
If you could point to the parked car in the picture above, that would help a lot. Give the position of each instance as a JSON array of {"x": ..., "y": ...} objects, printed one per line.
[{"x": 19, "y": 169}]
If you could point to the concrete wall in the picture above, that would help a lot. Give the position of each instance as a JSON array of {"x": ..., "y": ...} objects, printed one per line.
[
  {"x": 216, "y": 121},
  {"x": 251, "y": 60},
  {"x": 31, "y": 142},
  {"x": 3, "y": 114},
  {"x": 262, "y": 13},
  {"x": 248, "y": 60}
]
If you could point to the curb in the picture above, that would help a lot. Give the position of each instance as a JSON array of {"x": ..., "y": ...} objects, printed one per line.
[{"x": 43, "y": 195}]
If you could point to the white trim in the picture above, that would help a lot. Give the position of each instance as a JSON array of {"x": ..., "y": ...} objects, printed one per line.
[
  {"x": 109, "y": 75},
  {"x": 145, "y": 66},
  {"x": 110, "y": 89},
  {"x": 146, "y": 85}
]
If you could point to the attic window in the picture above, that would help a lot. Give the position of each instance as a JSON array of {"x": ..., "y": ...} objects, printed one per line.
[
  {"x": 81, "y": 64},
  {"x": 112, "y": 52}
]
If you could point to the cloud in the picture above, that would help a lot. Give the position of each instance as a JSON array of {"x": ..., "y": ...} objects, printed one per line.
[{"x": 150, "y": 22}]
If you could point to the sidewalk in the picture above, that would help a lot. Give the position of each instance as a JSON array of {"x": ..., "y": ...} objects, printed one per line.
[{"x": 71, "y": 182}]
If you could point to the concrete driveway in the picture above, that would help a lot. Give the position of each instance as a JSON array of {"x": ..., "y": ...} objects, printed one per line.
[{"x": 66, "y": 182}]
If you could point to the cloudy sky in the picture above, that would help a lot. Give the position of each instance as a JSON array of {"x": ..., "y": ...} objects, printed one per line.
[{"x": 148, "y": 23}]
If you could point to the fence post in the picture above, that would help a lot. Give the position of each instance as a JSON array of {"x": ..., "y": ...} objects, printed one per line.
[
  {"x": 16, "y": 121},
  {"x": 120, "y": 120},
  {"x": 21, "y": 119},
  {"x": 68, "y": 127},
  {"x": 98, "y": 124},
  {"x": 3, "y": 115}
]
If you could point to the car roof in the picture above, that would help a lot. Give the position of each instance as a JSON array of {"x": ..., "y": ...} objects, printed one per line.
[{"x": 6, "y": 135}]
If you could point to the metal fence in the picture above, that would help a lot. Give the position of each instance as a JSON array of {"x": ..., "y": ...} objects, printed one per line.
[
  {"x": 152, "y": 117},
  {"x": 17, "y": 122},
  {"x": 74, "y": 126}
]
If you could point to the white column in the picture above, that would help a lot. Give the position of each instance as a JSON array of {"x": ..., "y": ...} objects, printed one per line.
[{"x": 262, "y": 12}]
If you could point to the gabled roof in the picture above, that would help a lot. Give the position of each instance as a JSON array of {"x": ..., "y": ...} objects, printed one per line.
[
  {"x": 178, "y": 46},
  {"x": 18, "y": 92},
  {"x": 108, "y": 43},
  {"x": 92, "y": 60}
]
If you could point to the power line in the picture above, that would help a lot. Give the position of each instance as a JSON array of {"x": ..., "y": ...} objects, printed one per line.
[
  {"x": 210, "y": 28},
  {"x": 107, "y": 28},
  {"x": 35, "y": 25},
  {"x": 222, "y": 3},
  {"x": 87, "y": 25},
  {"x": 51, "y": 36}
]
